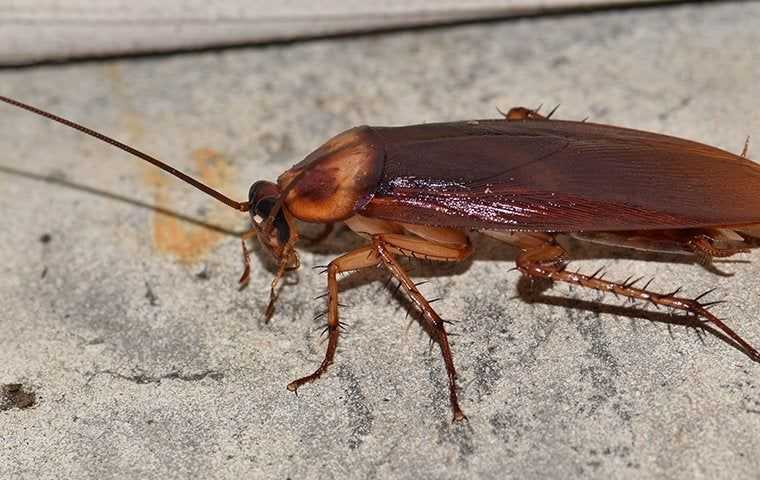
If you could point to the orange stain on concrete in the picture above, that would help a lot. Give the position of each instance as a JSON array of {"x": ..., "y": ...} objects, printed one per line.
[{"x": 190, "y": 243}]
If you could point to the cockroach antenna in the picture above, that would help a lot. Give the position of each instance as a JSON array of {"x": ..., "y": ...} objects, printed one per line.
[{"x": 241, "y": 206}]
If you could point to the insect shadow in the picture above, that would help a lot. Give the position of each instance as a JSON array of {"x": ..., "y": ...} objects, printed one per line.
[{"x": 53, "y": 179}]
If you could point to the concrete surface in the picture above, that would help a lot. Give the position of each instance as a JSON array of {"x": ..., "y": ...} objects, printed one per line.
[
  {"x": 125, "y": 329},
  {"x": 40, "y": 30}
]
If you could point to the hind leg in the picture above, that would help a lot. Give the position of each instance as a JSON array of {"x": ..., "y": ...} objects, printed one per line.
[{"x": 548, "y": 261}]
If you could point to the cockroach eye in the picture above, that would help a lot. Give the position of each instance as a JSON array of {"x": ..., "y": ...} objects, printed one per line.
[{"x": 262, "y": 196}]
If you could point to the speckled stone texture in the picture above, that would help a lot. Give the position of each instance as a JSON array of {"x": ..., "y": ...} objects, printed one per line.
[{"x": 123, "y": 323}]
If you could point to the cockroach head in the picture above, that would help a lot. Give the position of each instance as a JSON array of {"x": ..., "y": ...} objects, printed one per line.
[{"x": 274, "y": 226}]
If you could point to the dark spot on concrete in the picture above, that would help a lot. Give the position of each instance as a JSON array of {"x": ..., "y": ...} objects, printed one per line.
[
  {"x": 152, "y": 298},
  {"x": 44, "y": 272},
  {"x": 747, "y": 390},
  {"x": 203, "y": 274},
  {"x": 487, "y": 373},
  {"x": 559, "y": 61},
  {"x": 596, "y": 458},
  {"x": 45, "y": 238},
  {"x": 14, "y": 395},
  {"x": 508, "y": 427},
  {"x": 603, "y": 372},
  {"x": 360, "y": 417},
  {"x": 679, "y": 106}
]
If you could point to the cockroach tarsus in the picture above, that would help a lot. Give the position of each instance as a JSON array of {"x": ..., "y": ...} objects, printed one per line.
[{"x": 418, "y": 191}]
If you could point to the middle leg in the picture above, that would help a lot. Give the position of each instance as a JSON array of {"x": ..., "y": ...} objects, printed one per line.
[
  {"x": 382, "y": 251},
  {"x": 386, "y": 246}
]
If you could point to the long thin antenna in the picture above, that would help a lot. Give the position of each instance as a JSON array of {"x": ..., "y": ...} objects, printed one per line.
[{"x": 242, "y": 206}]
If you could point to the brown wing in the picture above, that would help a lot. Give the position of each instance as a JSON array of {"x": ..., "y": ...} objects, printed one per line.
[{"x": 559, "y": 176}]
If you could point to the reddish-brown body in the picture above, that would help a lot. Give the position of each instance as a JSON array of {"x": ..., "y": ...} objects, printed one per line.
[
  {"x": 417, "y": 191},
  {"x": 535, "y": 175}
]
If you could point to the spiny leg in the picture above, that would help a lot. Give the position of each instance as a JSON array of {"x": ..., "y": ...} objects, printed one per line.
[
  {"x": 386, "y": 246},
  {"x": 547, "y": 262},
  {"x": 382, "y": 251},
  {"x": 360, "y": 258}
]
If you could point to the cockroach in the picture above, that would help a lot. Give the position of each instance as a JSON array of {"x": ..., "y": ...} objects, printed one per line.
[{"x": 419, "y": 191}]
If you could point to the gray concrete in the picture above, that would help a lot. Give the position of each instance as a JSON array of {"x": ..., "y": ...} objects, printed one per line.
[
  {"x": 43, "y": 30},
  {"x": 145, "y": 360}
]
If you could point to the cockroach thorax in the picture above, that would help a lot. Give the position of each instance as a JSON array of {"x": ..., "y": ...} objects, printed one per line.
[{"x": 336, "y": 179}]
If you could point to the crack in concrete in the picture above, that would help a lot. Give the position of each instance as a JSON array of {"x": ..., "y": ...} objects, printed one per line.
[{"x": 143, "y": 378}]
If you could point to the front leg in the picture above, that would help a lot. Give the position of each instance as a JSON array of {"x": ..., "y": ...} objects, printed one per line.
[
  {"x": 357, "y": 259},
  {"x": 382, "y": 251}
]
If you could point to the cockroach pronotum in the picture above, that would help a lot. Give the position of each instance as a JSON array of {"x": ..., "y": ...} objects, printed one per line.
[{"x": 418, "y": 191}]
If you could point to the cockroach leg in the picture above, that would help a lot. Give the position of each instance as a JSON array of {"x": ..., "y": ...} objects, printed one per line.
[
  {"x": 274, "y": 289},
  {"x": 246, "y": 276},
  {"x": 547, "y": 262},
  {"x": 385, "y": 246},
  {"x": 523, "y": 113},
  {"x": 382, "y": 252},
  {"x": 422, "y": 249},
  {"x": 745, "y": 149},
  {"x": 706, "y": 249},
  {"x": 357, "y": 259},
  {"x": 246, "y": 256}
]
